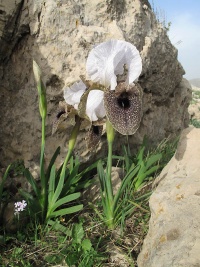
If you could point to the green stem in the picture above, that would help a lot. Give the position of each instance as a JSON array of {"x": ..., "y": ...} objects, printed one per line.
[
  {"x": 42, "y": 173},
  {"x": 43, "y": 130},
  {"x": 108, "y": 182},
  {"x": 109, "y": 171},
  {"x": 72, "y": 141}
]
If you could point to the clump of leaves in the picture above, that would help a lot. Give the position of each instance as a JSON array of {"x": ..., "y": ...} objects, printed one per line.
[
  {"x": 195, "y": 123},
  {"x": 116, "y": 208}
]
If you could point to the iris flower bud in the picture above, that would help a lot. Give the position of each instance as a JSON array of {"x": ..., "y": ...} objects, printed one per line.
[{"x": 41, "y": 90}]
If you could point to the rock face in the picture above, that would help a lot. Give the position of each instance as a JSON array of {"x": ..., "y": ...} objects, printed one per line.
[
  {"x": 59, "y": 35},
  {"x": 173, "y": 239}
]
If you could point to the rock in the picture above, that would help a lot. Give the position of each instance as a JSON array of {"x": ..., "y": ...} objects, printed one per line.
[
  {"x": 10, "y": 28},
  {"x": 59, "y": 36},
  {"x": 173, "y": 239},
  {"x": 117, "y": 256}
]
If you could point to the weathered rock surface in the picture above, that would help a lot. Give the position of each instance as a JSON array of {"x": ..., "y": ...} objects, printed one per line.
[
  {"x": 59, "y": 35},
  {"x": 173, "y": 239}
]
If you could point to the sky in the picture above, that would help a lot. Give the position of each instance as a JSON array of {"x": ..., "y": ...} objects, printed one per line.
[{"x": 184, "y": 31}]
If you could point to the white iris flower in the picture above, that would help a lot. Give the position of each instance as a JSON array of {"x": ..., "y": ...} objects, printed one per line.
[
  {"x": 107, "y": 60},
  {"x": 104, "y": 63}
]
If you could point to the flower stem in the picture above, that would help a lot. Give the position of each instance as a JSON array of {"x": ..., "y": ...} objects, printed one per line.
[
  {"x": 44, "y": 181},
  {"x": 72, "y": 141},
  {"x": 43, "y": 131},
  {"x": 109, "y": 171},
  {"x": 108, "y": 182}
]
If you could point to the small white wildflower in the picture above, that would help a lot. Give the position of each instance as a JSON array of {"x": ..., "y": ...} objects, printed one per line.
[{"x": 19, "y": 206}]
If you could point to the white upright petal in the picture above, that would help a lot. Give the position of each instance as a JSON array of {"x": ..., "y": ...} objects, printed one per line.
[
  {"x": 107, "y": 60},
  {"x": 95, "y": 108},
  {"x": 72, "y": 94},
  {"x": 133, "y": 62}
]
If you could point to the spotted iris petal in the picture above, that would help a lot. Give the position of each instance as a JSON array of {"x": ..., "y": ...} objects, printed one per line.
[{"x": 124, "y": 107}]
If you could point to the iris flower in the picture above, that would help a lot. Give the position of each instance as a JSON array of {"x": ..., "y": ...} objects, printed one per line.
[{"x": 113, "y": 67}]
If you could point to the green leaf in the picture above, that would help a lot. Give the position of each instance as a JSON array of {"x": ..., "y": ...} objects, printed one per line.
[
  {"x": 124, "y": 185},
  {"x": 86, "y": 245},
  {"x": 101, "y": 175},
  {"x": 52, "y": 184},
  {"x": 140, "y": 154},
  {"x": 66, "y": 211},
  {"x": 55, "y": 259},
  {"x": 143, "y": 176},
  {"x": 59, "y": 185},
  {"x": 77, "y": 233},
  {"x": 59, "y": 227},
  {"x": 32, "y": 182},
  {"x": 153, "y": 159},
  {"x": 65, "y": 200},
  {"x": 26, "y": 195},
  {"x": 3, "y": 181},
  {"x": 52, "y": 161}
]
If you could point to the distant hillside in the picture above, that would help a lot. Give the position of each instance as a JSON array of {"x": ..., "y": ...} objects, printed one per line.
[{"x": 195, "y": 82}]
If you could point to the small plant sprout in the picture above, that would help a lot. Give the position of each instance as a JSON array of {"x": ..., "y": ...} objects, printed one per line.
[{"x": 19, "y": 206}]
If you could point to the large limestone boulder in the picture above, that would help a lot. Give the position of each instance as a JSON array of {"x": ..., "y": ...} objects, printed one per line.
[
  {"x": 59, "y": 36},
  {"x": 173, "y": 239}
]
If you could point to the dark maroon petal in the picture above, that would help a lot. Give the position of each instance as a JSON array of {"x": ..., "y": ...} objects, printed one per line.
[{"x": 124, "y": 107}]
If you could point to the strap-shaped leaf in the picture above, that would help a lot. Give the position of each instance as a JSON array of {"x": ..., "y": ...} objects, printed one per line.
[
  {"x": 143, "y": 176},
  {"x": 65, "y": 200},
  {"x": 124, "y": 185},
  {"x": 52, "y": 161},
  {"x": 3, "y": 181},
  {"x": 66, "y": 211},
  {"x": 52, "y": 184},
  {"x": 153, "y": 159},
  {"x": 32, "y": 182},
  {"x": 101, "y": 174},
  {"x": 26, "y": 195}
]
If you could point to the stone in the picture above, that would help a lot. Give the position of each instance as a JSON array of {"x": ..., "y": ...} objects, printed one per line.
[
  {"x": 58, "y": 35},
  {"x": 118, "y": 258},
  {"x": 173, "y": 239}
]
